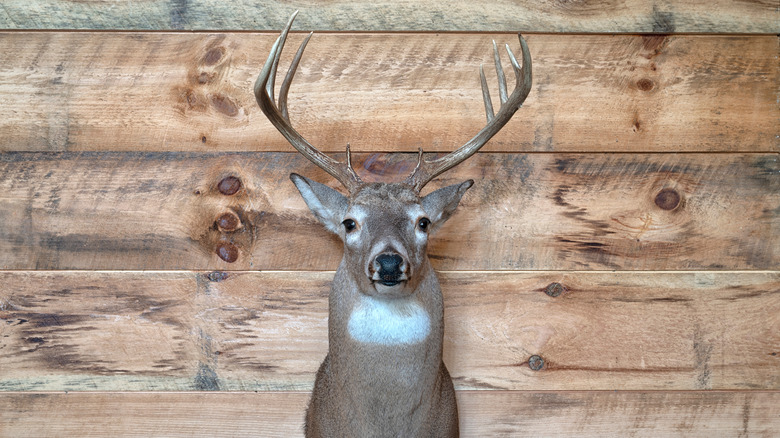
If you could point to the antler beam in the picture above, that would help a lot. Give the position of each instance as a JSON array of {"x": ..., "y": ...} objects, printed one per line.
[
  {"x": 427, "y": 170},
  {"x": 279, "y": 117}
]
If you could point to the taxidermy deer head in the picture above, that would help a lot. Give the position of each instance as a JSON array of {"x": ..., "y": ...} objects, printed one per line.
[{"x": 384, "y": 375}]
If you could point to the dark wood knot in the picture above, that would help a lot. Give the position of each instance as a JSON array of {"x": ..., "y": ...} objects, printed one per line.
[
  {"x": 228, "y": 221},
  {"x": 227, "y": 252},
  {"x": 555, "y": 289},
  {"x": 229, "y": 185},
  {"x": 667, "y": 199}
]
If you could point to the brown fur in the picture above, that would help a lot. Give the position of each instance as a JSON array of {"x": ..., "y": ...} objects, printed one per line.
[
  {"x": 371, "y": 389},
  {"x": 364, "y": 390}
]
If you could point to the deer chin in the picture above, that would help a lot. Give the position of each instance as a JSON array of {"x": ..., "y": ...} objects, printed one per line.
[{"x": 390, "y": 289}]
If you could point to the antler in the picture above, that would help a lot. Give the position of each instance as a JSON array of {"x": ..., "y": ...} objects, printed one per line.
[
  {"x": 427, "y": 170},
  {"x": 279, "y": 117}
]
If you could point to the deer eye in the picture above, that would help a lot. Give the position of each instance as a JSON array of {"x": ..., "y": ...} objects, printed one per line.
[
  {"x": 424, "y": 223},
  {"x": 349, "y": 225}
]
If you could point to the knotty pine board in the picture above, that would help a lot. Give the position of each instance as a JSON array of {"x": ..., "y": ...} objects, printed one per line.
[
  {"x": 482, "y": 413},
  {"x": 386, "y": 92},
  {"x": 267, "y": 331},
  {"x": 633, "y": 16},
  {"x": 160, "y": 211}
]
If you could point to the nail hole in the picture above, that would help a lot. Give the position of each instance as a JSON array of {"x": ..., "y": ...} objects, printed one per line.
[{"x": 535, "y": 362}]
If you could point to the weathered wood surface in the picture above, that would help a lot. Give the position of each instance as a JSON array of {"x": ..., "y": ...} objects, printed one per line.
[
  {"x": 482, "y": 414},
  {"x": 386, "y": 92},
  {"x": 142, "y": 331},
  {"x": 633, "y": 16},
  {"x": 156, "y": 211}
]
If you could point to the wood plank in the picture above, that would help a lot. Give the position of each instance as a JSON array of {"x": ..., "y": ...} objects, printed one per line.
[
  {"x": 538, "y": 211},
  {"x": 482, "y": 413},
  {"x": 386, "y": 92},
  {"x": 137, "y": 331},
  {"x": 632, "y": 16}
]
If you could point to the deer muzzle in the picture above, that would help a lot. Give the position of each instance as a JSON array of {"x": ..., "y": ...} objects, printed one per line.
[{"x": 389, "y": 269}]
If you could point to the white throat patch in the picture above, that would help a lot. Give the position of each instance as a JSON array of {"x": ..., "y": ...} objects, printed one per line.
[{"x": 392, "y": 322}]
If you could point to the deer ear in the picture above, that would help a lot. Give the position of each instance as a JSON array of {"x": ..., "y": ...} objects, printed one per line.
[
  {"x": 440, "y": 205},
  {"x": 328, "y": 205}
]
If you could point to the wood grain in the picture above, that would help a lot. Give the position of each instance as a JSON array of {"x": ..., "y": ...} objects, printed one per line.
[
  {"x": 633, "y": 16},
  {"x": 112, "y": 145},
  {"x": 482, "y": 413},
  {"x": 137, "y": 331},
  {"x": 152, "y": 211},
  {"x": 386, "y": 92}
]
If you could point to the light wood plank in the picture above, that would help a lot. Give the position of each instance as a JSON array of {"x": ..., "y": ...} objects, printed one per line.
[
  {"x": 124, "y": 331},
  {"x": 386, "y": 92},
  {"x": 482, "y": 413},
  {"x": 539, "y": 211},
  {"x": 633, "y": 16}
]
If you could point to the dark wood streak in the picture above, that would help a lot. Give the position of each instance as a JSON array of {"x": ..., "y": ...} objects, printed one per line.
[
  {"x": 603, "y": 16},
  {"x": 386, "y": 92},
  {"x": 268, "y": 331},
  {"x": 96, "y": 210},
  {"x": 484, "y": 413}
]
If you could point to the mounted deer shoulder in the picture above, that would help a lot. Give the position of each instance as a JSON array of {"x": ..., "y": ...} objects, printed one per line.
[{"x": 384, "y": 375}]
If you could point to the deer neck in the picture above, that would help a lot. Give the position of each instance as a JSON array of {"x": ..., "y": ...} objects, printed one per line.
[{"x": 392, "y": 341}]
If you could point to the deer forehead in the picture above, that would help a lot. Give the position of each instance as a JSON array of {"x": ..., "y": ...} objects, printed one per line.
[
  {"x": 387, "y": 213},
  {"x": 385, "y": 192},
  {"x": 384, "y": 200}
]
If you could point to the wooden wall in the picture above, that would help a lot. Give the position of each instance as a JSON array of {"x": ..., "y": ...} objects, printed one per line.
[{"x": 615, "y": 271}]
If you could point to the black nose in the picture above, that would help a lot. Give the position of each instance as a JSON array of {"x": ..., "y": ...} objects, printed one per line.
[{"x": 390, "y": 267}]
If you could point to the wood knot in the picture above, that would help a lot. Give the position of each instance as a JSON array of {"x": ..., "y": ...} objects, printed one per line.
[
  {"x": 555, "y": 289},
  {"x": 204, "y": 78},
  {"x": 229, "y": 185},
  {"x": 667, "y": 199},
  {"x": 227, "y": 252},
  {"x": 228, "y": 222},
  {"x": 214, "y": 55},
  {"x": 224, "y": 105},
  {"x": 193, "y": 100},
  {"x": 217, "y": 276},
  {"x": 385, "y": 164},
  {"x": 645, "y": 84}
]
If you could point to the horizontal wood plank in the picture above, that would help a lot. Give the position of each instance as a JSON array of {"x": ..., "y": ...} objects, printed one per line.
[
  {"x": 482, "y": 413},
  {"x": 124, "y": 331},
  {"x": 715, "y": 16},
  {"x": 158, "y": 211},
  {"x": 386, "y": 92}
]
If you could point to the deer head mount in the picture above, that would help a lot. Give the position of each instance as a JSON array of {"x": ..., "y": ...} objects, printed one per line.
[{"x": 384, "y": 375}]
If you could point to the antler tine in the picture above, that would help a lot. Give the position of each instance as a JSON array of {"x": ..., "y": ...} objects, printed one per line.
[
  {"x": 276, "y": 51},
  {"x": 427, "y": 170},
  {"x": 289, "y": 77},
  {"x": 279, "y": 117},
  {"x": 486, "y": 95},
  {"x": 500, "y": 73}
]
